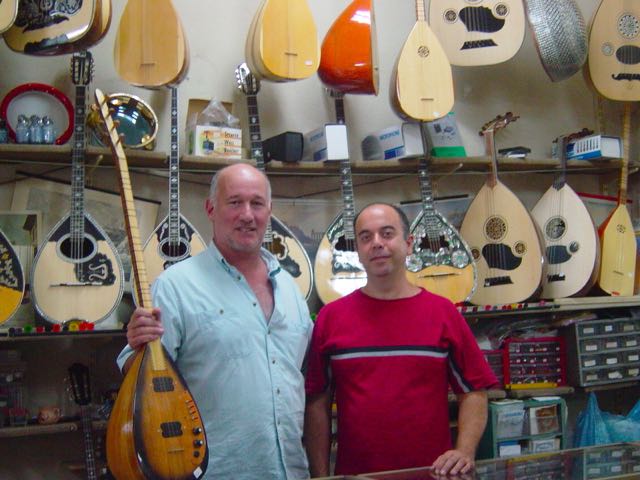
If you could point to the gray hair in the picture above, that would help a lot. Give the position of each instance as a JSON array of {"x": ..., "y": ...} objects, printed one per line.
[{"x": 213, "y": 189}]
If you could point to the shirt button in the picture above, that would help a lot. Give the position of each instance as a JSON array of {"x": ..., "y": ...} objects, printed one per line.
[
  {"x": 278, "y": 422},
  {"x": 278, "y": 391},
  {"x": 255, "y": 304},
  {"x": 269, "y": 332},
  {"x": 273, "y": 361},
  {"x": 239, "y": 277}
]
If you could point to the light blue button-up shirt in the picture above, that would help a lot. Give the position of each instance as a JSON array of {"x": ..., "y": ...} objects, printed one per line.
[{"x": 243, "y": 370}]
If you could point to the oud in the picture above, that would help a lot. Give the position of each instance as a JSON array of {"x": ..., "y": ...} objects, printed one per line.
[
  {"x": 77, "y": 273},
  {"x": 8, "y": 12},
  {"x": 155, "y": 429}
]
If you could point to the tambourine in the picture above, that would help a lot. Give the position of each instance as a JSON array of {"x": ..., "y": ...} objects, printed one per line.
[
  {"x": 135, "y": 120},
  {"x": 30, "y": 88}
]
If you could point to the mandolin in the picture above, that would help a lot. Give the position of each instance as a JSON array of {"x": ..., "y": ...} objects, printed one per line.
[
  {"x": 175, "y": 238},
  {"x": 422, "y": 83},
  {"x": 570, "y": 237},
  {"x": 155, "y": 429},
  {"x": 282, "y": 43},
  {"x": 349, "y": 56},
  {"x": 503, "y": 237},
  {"x": 42, "y": 28},
  {"x": 11, "y": 279},
  {"x": 441, "y": 261},
  {"x": 150, "y": 48},
  {"x": 8, "y": 13},
  {"x": 617, "y": 236},
  {"x": 614, "y": 44},
  {"x": 278, "y": 238},
  {"x": 81, "y": 391},
  {"x": 77, "y": 273},
  {"x": 478, "y": 32},
  {"x": 337, "y": 268}
]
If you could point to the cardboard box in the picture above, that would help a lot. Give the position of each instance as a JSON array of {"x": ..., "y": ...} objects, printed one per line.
[{"x": 326, "y": 143}]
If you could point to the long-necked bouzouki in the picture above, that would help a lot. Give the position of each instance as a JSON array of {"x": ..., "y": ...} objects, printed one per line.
[
  {"x": 441, "y": 261},
  {"x": 150, "y": 48},
  {"x": 502, "y": 235},
  {"x": 617, "y": 237},
  {"x": 155, "y": 430},
  {"x": 11, "y": 279},
  {"x": 278, "y": 238},
  {"x": 282, "y": 42},
  {"x": 415, "y": 92},
  {"x": 478, "y": 32},
  {"x": 175, "y": 238},
  {"x": 337, "y": 268},
  {"x": 81, "y": 390},
  {"x": 614, "y": 43},
  {"x": 570, "y": 237},
  {"x": 77, "y": 273},
  {"x": 8, "y": 13},
  {"x": 349, "y": 57}
]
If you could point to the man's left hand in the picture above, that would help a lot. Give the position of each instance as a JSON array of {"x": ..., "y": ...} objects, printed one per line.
[{"x": 453, "y": 462}]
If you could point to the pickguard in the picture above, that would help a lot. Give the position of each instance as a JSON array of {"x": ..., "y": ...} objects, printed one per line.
[
  {"x": 499, "y": 255},
  {"x": 480, "y": 19},
  {"x": 39, "y": 14},
  {"x": 8, "y": 269}
]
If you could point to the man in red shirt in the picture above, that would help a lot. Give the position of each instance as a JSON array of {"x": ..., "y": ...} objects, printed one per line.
[{"x": 389, "y": 351}]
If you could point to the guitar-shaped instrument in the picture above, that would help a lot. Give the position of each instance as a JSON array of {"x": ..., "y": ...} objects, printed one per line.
[
  {"x": 282, "y": 42},
  {"x": 8, "y": 13},
  {"x": 278, "y": 238},
  {"x": 81, "y": 390},
  {"x": 349, "y": 56},
  {"x": 11, "y": 279},
  {"x": 337, "y": 268},
  {"x": 77, "y": 273},
  {"x": 441, "y": 261},
  {"x": 416, "y": 92},
  {"x": 478, "y": 32},
  {"x": 175, "y": 238},
  {"x": 150, "y": 48},
  {"x": 570, "y": 237},
  {"x": 155, "y": 429},
  {"x": 502, "y": 235},
  {"x": 614, "y": 50},
  {"x": 42, "y": 28},
  {"x": 617, "y": 237}
]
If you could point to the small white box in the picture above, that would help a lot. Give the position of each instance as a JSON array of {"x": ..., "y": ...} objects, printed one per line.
[
  {"x": 593, "y": 147},
  {"x": 510, "y": 416},
  {"x": 210, "y": 140},
  {"x": 542, "y": 445},
  {"x": 509, "y": 449},
  {"x": 314, "y": 147}
]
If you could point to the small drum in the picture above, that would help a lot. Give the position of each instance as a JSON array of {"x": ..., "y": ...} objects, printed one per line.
[{"x": 135, "y": 120}]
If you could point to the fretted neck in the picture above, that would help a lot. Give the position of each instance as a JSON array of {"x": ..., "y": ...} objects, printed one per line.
[
  {"x": 174, "y": 173},
  {"x": 421, "y": 16},
  {"x": 256, "y": 147},
  {"x": 89, "y": 455},
  {"x": 77, "y": 165},
  {"x": 426, "y": 193},
  {"x": 339, "y": 103},
  {"x": 561, "y": 179},
  {"x": 626, "y": 140},
  {"x": 490, "y": 148},
  {"x": 346, "y": 182}
]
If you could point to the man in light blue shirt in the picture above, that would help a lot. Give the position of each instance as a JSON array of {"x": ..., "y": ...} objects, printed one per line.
[{"x": 238, "y": 328}]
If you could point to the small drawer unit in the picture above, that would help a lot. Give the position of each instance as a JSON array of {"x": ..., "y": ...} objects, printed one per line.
[
  {"x": 603, "y": 351},
  {"x": 495, "y": 361},
  {"x": 534, "y": 362}
]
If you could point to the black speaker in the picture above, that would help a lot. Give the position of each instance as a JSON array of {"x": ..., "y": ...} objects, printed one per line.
[{"x": 285, "y": 147}]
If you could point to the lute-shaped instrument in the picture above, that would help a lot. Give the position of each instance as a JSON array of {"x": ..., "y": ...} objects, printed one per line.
[
  {"x": 11, "y": 279},
  {"x": 8, "y": 12}
]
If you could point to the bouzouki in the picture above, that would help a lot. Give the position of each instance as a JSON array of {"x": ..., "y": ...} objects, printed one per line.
[
  {"x": 503, "y": 237},
  {"x": 422, "y": 83},
  {"x": 278, "y": 238},
  {"x": 77, "y": 273},
  {"x": 617, "y": 236},
  {"x": 175, "y": 238},
  {"x": 614, "y": 43},
  {"x": 81, "y": 390},
  {"x": 11, "y": 279},
  {"x": 349, "y": 56},
  {"x": 155, "y": 429},
  {"x": 478, "y": 32},
  {"x": 8, "y": 13},
  {"x": 337, "y": 268},
  {"x": 441, "y": 261},
  {"x": 570, "y": 237}
]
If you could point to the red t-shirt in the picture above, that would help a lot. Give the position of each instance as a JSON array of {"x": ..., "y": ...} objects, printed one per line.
[{"x": 391, "y": 362}]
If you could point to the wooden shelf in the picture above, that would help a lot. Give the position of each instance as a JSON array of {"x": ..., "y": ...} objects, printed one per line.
[
  {"x": 60, "y": 427},
  {"x": 13, "y": 335},
  {"x": 540, "y": 392}
]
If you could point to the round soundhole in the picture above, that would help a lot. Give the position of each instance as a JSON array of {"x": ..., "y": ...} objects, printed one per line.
[
  {"x": 502, "y": 10},
  {"x": 174, "y": 251},
  {"x": 475, "y": 253},
  {"x": 621, "y": 228},
  {"x": 555, "y": 228},
  {"x": 423, "y": 51},
  {"x": 628, "y": 25},
  {"x": 450, "y": 16},
  {"x": 495, "y": 228},
  {"x": 77, "y": 250},
  {"x": 520, "y": 248}
]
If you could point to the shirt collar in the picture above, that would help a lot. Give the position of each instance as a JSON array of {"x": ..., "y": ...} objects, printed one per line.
[{"x": 273, "y": 266}]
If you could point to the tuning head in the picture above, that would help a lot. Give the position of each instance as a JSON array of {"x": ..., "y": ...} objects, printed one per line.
[
  {"x": 247, "y": 81},
  {"x": 81, "y": 389},
  {"x": 499, "y": 122},
  {"x": 82, "y": 68}
]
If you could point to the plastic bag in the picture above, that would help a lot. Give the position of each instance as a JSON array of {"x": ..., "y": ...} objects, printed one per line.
[
  {"x": 591, "y": 428},
  {"x": 215, "y": 113},
  {"x": 624, "y": 429}
]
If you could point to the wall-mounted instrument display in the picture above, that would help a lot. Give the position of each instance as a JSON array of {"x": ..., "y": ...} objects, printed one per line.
[
  {"x": 617, "y": 235},
  {"x": 278, "y": 238},
  {"x": 349, "y": 54},
  {"x": 415, "y": 92},
  {"x": 569, "y": 235},
  {"x": 503, "y": 237},
  {"x": 282, "y": 42},
  {"x": 8, "y": 13},
  {"x": 441, "y": 261},
  {"x": 155, "y": 429},
  {"x": 77, "y": 273},
  {"x": 478, "y": 32},
  {"x": 614, "y": 43},
  {"x": 11, "y": 279}
]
